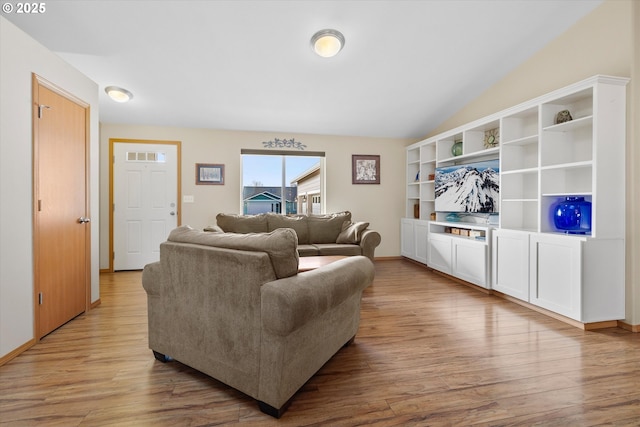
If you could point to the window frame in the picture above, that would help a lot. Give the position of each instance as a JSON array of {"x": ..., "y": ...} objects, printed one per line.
[{"x": 280, "y": 153}]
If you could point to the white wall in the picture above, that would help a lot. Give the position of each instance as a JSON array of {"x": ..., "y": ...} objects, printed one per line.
[
  {"x": 380, "y": 205},
  {"x": 607, "y": 41},
  {"x": 20, "y": 57}
]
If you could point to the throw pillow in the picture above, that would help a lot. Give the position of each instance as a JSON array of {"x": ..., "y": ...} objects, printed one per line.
[{"x": 351, "y": 232}]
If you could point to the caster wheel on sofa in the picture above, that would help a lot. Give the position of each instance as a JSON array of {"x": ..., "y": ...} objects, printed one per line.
[{"x": 161, "y": 357}]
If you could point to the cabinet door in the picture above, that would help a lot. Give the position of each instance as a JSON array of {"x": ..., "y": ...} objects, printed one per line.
[
  {"x": 421, "y": 236},
  {"x": 407, "y": 237},
  {"x": 469, "y": 261},
  {"x": 555, "y": 274},
  {"x": 510, "y": 262},
  {"x": 439, "y": 252}
]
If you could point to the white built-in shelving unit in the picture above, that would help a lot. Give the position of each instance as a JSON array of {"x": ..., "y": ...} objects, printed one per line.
[{"x": 542, "y": 161}]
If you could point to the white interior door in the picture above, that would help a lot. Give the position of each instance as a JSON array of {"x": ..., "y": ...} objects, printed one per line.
[{"x": 145, "y": 183}]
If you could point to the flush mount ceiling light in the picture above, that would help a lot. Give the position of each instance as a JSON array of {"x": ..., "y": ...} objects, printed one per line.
[
  {"x": 118, "y": 94},
  {"x": 327, "y": 43}
]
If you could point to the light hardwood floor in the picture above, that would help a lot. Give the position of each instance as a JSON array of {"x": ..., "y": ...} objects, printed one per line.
[{"x": 430, "y": 352}]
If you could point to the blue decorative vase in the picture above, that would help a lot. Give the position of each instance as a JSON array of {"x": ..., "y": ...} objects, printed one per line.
[
  {"x": 572, "y": 215},
  {"x": 456, "y": 148}
]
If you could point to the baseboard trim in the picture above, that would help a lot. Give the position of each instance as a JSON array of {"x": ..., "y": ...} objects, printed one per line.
[
  {"x": 13, "y": 354},
  {"x": 388, "y": 258},
  {"x": 95, "y": 304},
  {"x": 628, "y": 327}
]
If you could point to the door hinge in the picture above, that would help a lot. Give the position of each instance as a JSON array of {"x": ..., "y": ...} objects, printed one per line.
[
  {"x": 39, "y": 205},
  {"x": 40, "y": 108},
  {"x": 40, "y": 298}
]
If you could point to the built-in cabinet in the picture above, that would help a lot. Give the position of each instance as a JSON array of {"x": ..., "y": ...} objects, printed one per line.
[
  {"x": 510, "y": 262},
  {"x": 577, "y": 277},
  {"x": 568, "y": 143},
  {"x": 414, "y": 239},
  {"x": 464, "y": 257}
]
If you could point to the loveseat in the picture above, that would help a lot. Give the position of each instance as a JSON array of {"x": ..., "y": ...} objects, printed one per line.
[
  {"x": 330, "y": 234},
  {"x": 234, "y": 307}
]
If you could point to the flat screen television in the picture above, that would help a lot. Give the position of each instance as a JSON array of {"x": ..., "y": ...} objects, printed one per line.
[{"x": 472, "y": 187}]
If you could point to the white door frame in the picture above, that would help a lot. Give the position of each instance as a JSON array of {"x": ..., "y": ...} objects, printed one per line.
[{"x": 113, "y": 141}]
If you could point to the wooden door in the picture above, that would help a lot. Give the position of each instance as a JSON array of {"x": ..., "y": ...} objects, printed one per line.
[{"x": 61, "y": 229}]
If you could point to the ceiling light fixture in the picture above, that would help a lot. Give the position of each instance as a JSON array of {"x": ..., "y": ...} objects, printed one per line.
[
  {"x": 118, "y": 94},
  {"x": 327, "y": 43}
]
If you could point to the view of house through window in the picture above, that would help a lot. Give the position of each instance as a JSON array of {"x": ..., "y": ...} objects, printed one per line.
[{"x": 281, "y": 183}]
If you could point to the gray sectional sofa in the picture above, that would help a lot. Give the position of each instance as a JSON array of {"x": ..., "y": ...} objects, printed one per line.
[
  {"x": 234, "y": 307},
  {"x": 330, "y": 234}
]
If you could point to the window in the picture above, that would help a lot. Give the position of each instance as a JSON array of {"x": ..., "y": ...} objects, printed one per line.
[{"x": 282, "y": 182}]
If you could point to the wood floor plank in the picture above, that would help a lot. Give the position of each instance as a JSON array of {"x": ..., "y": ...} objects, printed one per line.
[{"x": 429, "y": 352}]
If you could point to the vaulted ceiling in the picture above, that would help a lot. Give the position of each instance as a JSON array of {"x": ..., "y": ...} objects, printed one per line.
[{"x": 247, "y": 65}]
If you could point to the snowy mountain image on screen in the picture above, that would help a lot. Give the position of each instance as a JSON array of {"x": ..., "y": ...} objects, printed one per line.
[{"x": 474, "y": 187}]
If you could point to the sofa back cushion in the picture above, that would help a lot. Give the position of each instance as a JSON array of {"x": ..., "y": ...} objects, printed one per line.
[
  {"x": 232, "y": 223},
  {"x": 298, "y": 222},
  {"x": 281, "y": 245},
  {"x": 325, "y": 228}
]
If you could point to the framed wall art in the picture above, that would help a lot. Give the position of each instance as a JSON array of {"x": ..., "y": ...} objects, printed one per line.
[
  {"x": 209, "y": 174},
  {"x": 365, "y": 169}
]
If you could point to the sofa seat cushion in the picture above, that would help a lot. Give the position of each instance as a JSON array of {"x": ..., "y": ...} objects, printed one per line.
[
  {"x": 338, "y": 249},
  {"x": 308, "y": 250},
  {"x": 326, "y": 228},
  {"x": 280, "y": 245},
  {"x": 297, "y": 222},
  {"x": 232, "y": 223}
]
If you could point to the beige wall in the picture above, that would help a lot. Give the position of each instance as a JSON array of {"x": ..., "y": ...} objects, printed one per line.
[
  {"x": 381, "y": 205},
  {"x": 606, "y": 41},
  {"x": 22, "y": 56}
]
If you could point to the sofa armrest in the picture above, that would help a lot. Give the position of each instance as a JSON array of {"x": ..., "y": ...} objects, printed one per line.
[
  {"x": 369, "y": 242},
  {"x": 288, "y": 304},
  {"x": 151, "y": 278}
]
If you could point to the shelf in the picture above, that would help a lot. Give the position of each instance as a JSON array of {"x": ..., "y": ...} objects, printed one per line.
[
  {"x": 572, "y": 165},
  {"x": 520, "y": 171},
  {"x": 480, "y": 155},
  {"x": 565, "y": 194},
  {"x": 540, "y": 161},
  {"x": 462, "y": 224},
  {"x": 527, "y": 140},
  {"x": 571, "y": 125}
]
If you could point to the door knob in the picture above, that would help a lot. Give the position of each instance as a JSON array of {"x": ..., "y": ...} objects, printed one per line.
[
  {"x": 172, "y": 213},
  {"x": 83, "y": 220}
]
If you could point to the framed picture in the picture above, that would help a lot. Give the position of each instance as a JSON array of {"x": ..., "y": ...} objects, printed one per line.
[
  {"x": 365, "y": 169},
  {"x": 208, "y": 174}
]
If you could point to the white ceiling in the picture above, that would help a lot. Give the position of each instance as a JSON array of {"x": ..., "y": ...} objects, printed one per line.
[{"x": 247, "y": 65}]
